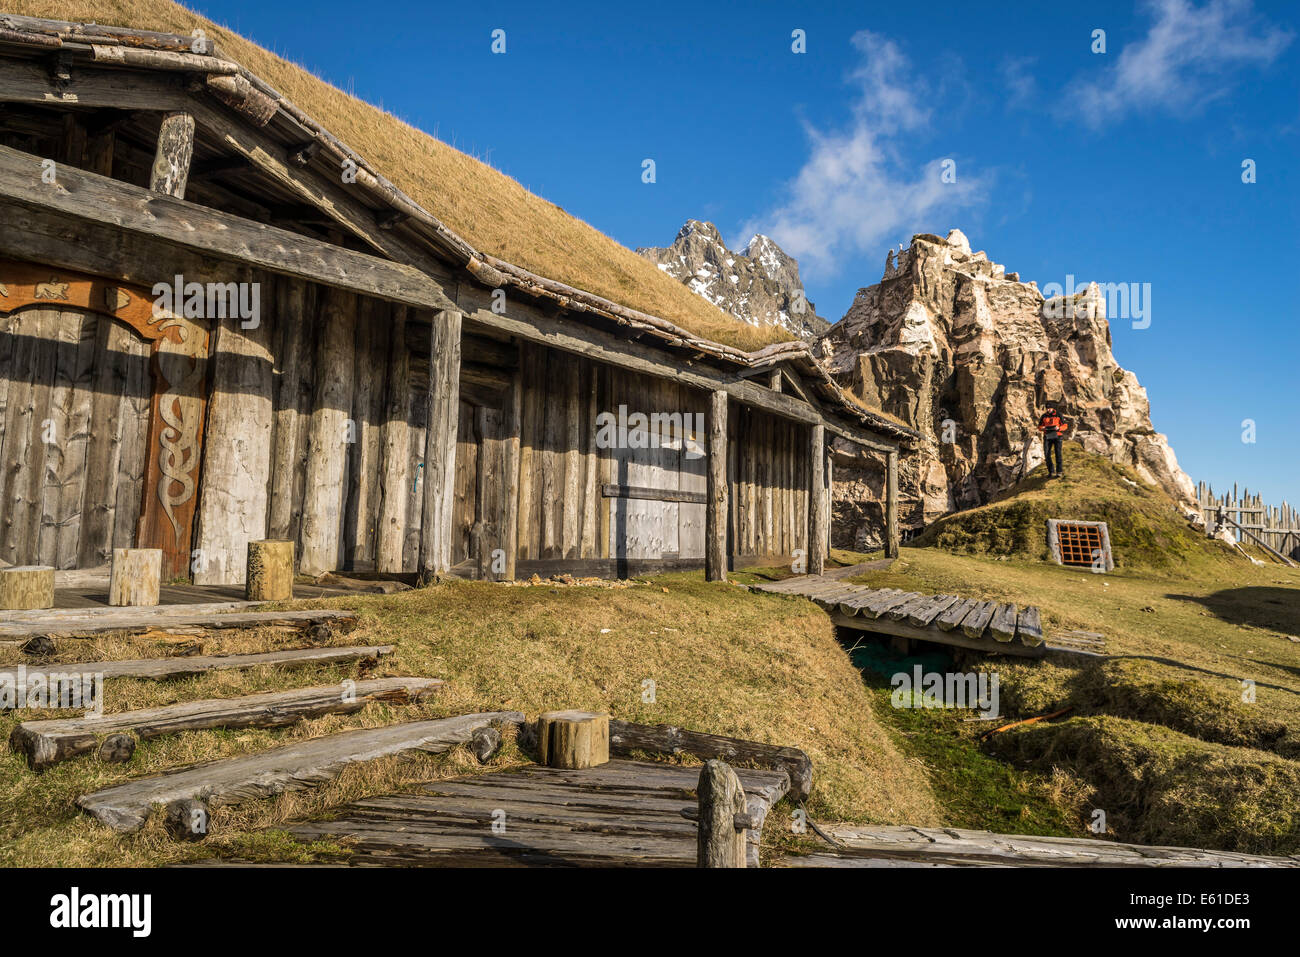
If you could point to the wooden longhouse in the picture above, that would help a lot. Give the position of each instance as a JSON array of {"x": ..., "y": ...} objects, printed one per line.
[{"x": 399, "y": 403}]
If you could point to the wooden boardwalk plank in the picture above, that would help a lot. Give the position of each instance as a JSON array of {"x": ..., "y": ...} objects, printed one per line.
[
  {"x": 160, "y": 668},
  {"x": 953, "y": 615},
  {"x": 1003, "y": 624},
  {"x": 1029, "y": 627},
  {"x": 46, "y": 743},
  {"x": 145, "y": 620},
  {"x": 125, "y": 807},
  {"x": 973, "y": 624},
  {"x": 881, "y": 607},
  {"x": 908, "y": 608},
  {"x": 922, "y": 617}
]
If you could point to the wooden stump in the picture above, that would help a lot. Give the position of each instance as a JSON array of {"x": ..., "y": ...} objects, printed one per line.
[
  {"x": 573, "y": 739},
  {"x": 25, "y": 587},
  {"x": 270, "y": 571},
  {"x": 136, "y": 576},
  {"x": 720, "y": 842}
]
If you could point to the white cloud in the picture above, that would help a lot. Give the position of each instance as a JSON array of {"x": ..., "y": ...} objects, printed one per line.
[
  {"x": 855, "y": 194},
  {"x": 1187, "y": 57}
]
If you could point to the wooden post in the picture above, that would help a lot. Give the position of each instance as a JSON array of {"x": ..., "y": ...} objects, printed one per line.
[
  {"x": 510, "y": 520},
  {"x": 136, "y": 576},
  {"x": 440, "y": 445},
  {"x": 270, "y": 571},
  {"x": 25, "y": 587},
  {"x": 323, "y": 496},
  {"x": 396, "y": 455},
  {"x": 829, "y": 481},
  {"x": 817, "y": 502},
  {"x": 171, "y": 164},
  {"x": 572, "y": 739},
  {"x": 719, "y": 842},
  {"x": 715, "y": 519},
  {"x": 891, "y": 504}
]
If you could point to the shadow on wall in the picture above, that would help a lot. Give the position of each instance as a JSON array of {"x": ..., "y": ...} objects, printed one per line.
[{"x": 1274, "y": 608}]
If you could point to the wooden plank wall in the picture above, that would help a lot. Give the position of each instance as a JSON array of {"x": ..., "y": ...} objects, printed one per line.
[
  {"x": 768, "y": 471},
  {"x": 81, "y": 379}
]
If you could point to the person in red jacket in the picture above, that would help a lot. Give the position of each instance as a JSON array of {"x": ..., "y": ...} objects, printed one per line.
[{"x": 1053, "y": 428}]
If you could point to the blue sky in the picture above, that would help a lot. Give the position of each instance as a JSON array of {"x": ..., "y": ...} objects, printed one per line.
[{"x": 1123, "y": 166}]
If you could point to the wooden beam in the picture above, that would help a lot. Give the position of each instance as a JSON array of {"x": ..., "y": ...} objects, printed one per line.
[
  {"x": 817, "y": 500},
  {"x": 654, "y": 494},
  {"x": 178, "y": 667},
  {"x": 25, "y": 81},
  {"x": 891, "y": 504},
  {"x": 97, "y": 199},
  {"x": 171, "y": 162},
  {"x": 715, "y": 512},
  {"x": 440, "y": 445}
]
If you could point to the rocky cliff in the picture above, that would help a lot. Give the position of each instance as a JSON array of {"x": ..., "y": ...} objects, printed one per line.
[
  {"x": 963, "y": 351},
  {"x": 759, "y": 285}
]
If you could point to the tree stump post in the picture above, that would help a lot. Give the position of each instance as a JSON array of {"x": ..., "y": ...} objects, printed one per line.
[
  {"x": 136, "y": 577},
  {"x": 270, "y": 571},
  {"x": 573, "y": 739},
  {"x": 719, "y": 841},
  {"x": 26, "y": 587}
]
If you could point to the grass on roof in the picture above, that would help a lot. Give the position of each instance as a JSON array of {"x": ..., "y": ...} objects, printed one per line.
[{"x": 492, "y": 211}]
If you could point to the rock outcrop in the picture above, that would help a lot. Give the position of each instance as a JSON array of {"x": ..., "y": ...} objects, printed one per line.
[
  {"x": 759, "y": 285},
  {"x": 966, "y": 353}
]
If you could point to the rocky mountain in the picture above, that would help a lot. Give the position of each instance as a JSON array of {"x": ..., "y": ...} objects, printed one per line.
[
  {"x": 759, "y": 285},
  {"x": 968, "y": 354}
]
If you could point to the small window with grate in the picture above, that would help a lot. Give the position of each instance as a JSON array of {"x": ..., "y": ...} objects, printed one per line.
[{"x": 1080, "y": 544}]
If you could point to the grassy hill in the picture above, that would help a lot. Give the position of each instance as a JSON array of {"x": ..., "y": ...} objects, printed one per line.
[
  {"x": 494, "y": 212},
  {"x": 1164, "y": 735}
]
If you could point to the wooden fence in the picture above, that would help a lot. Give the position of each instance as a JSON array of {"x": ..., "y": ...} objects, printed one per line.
[{"x": 1276, "y": 526}]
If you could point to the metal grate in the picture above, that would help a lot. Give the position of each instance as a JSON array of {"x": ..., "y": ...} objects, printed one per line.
[{"x": 1079, "y": 544}]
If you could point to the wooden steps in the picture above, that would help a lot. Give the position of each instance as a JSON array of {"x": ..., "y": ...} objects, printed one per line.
[
  {"x": 49, "y": 742},
  {"x": 126, "y": 807},
  {"x": 83, "y": 622},
  {"x": 624, "y": 813},
  {"x": 944, "y": 619},
  {"x": 162, "y": 668}
]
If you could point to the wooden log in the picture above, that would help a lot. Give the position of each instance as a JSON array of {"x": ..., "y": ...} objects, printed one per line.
[
  {"x": 891, "y": 504},
  {"x": 715, "y": 510},
  {"x": 171, "y": 164},
  {"x": 26, "y": 586},
  {"x": 440, "y": 446},
  {"x": 511, "y": 470},
  {"x": 921, "y": 617},
  {"x": 572, "y": 739},
  {"x": 721, "y": 798},
  {"x": 164, "y": 668},
  {"x": 920, "y": 603},
  {"x": 1029, "y": 627},
  {"x": 142, "y": 622},
  {"x": 881, "y": 606},
  {"x": 1003, "y": 624},
  {"x": 125, "y": 808},
  {"x": 322, "y": 510},
  {"x": 973, "y": 624},
  {"x": 292, "y": 364},
  {"x": 270, "y": 571},
  {"x": 46, "y": 743},
  {"x": 396, "y": 450},
  {"x": 626, "y": 737},
  {"x": 817, "y": 533},
  {"x": 136, "y": 577}
]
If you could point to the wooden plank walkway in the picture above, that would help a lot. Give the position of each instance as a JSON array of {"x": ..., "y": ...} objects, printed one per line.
[
  {"x": 621, "y": 814},
  {"x": 160, "y": 669},
  {"x": 943, "y": 619},
  {"x": 902, "y": 846},
  {"x": 86, "y": 622}
]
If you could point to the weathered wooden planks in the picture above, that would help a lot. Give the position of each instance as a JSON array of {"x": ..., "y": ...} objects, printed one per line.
[
  {"x": 137, "y": 621},
  {"x": 125, "y": 807},
  {"x": 952, "y": 616},
  {"x": 977, "y": 620},
  {"x": 1003, "y": 624},
  {"x": 928, "y": 612},
  {"x": 163, "y": 668},
  {"x": 1029, "y": 626},
  {"x": 46, "y": 743},
  {"x": 621, "y": 814}
]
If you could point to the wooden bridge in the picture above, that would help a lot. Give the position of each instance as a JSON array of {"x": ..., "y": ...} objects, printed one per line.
[{"x": 988, "y": 626}]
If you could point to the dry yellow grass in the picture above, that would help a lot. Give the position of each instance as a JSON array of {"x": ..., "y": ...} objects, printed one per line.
[
  {"x": 723, "y": 661},
  {"x": 489, "y": 209}
]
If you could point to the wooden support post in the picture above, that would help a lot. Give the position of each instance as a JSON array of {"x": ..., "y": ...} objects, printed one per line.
[
  {"x": 510, "y": 520},
  {"x": 891, "y": 505},
  {"x": 136, "y": 576},
  {"x": 396, "y": 450},
  {"x": 817, "y": 502},
  {"x": 171, "y": 164},
  {"x": 327, "y": 445},
  {"x": 715, "y": 519},
  {"x": 270, "y": 571},
  {"x": 829, "y": 481},
  {"x": 25, "y": 587},
  {"x": 719, "y": 842},
  {"x": 440, "y": 445},
  {"x": 572, "y": 739}
]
